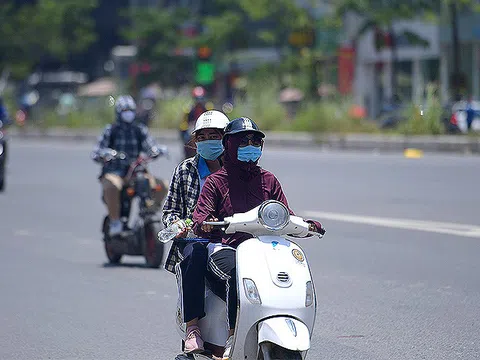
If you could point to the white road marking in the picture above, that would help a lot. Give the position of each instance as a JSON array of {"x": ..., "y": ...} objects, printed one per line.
[
  {"x": 429, "y": 226},
  {"x": 22, "y": 232}
]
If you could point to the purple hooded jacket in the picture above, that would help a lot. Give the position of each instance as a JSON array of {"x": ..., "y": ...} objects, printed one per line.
[{"x": 236, "y": 188}]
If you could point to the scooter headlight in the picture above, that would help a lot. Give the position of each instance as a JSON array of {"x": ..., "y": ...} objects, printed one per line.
[
  {"x": 309, "y": 294},
  {"x": 273, "y": 215},
  {"x": 251, "y": 291}
]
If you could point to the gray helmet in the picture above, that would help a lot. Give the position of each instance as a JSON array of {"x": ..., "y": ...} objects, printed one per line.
[{"x": 124, "y": 103}]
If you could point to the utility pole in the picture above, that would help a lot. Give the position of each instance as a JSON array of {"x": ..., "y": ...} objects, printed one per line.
[{"x": 457, "y": 76}]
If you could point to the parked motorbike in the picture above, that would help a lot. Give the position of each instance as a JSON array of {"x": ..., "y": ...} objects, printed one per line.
[
  {"x": 460, "y": 112},
  {"x": 3, "y": 156},
  {"x": 139, "y": 217},
  {"x": 277, "y": 302}
]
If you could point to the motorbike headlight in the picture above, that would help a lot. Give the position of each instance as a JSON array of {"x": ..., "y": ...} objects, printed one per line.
[
  {"x": 309, "y": 294},
  {"x": 251, "y": 291},
  {"x": 1, "y": 149},
  {"x": 273, "y": 215}
]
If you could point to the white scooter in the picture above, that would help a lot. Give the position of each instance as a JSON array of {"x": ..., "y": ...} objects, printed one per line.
[{"x": 277, "y": 303}]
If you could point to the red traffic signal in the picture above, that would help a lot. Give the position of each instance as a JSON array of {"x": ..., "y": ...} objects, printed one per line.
[{"x": 204, "y": 52}]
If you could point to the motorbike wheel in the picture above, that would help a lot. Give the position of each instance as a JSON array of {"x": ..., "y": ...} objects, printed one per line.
[
  {"x": 112, "y": 256},
  {"x": 2, "y": 176},
  {"x": 153, "y": 248},
  {"x": 269, "y": 351}
]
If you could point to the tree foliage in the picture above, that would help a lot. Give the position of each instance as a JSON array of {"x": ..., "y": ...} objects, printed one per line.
[
  {"x": 47, "y": 29},
  {"x": 157, "y": 34}
]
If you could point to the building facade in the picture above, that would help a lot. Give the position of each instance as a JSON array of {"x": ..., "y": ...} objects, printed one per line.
[
  {"x": 469, "y": 38},
  {"x": 416, "y": 65}
]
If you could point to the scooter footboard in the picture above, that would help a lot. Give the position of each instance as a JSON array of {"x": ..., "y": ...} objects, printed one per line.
[{"x": 286, "y": 332}]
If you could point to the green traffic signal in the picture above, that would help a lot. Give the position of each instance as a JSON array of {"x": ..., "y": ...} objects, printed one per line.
[{"x": 205, "y": 72}]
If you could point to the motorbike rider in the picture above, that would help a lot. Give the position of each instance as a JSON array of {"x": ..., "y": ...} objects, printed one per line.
[
  {"x": 4, "y": 122},
  {"x": 189, "y": 119},
  {"x": 131, "y": 138},
  {"x": 239, "y": 186},
  {"x": 4, "y": 116},
  {"x": 190, "y": 261}
]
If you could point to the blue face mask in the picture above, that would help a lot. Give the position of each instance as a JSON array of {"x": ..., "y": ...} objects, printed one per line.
[
  {"x": 210, "y": 149},
  {"x": 249, "y": 153}
]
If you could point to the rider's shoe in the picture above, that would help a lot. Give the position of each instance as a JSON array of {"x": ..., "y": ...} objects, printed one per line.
[
  {"x": 193, "y": 342},
  {"x": 116, "y": 227},
  {"x": 228, "y": 348}
]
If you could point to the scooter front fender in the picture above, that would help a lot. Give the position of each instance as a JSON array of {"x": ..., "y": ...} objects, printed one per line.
[{"x": 286, "y": 332}]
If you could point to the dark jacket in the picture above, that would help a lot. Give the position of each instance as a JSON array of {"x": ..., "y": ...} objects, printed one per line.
[{"x": 236, "y": 188}]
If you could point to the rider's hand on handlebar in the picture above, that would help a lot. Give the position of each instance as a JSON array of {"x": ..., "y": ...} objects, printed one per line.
[
  {"x": 109, "y": 154},
  {"x": 157, "y": 151},
  {"x": 208, "y": 228},
  {"x": 312, "y": 227}
]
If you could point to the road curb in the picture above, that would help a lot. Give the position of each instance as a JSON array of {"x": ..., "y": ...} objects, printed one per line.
[{"x": 355, "y": 142}]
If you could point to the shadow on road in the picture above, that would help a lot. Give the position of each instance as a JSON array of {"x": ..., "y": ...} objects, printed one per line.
[{"x": 128, "y": 265}]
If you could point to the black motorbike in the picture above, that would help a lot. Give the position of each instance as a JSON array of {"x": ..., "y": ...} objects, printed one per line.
[
  {"x": 139, "y": 216},
  {"x": 3, "y": 156}
]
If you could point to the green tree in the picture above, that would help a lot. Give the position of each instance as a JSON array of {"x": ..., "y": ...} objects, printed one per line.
[
  {"x": 47, "y": 29},
  {"x": 221, "y": 24},
  {"x": 157, "y": 33}
]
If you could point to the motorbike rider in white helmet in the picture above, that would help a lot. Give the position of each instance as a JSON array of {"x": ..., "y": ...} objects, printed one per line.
[{"x": 189, "y": 260}]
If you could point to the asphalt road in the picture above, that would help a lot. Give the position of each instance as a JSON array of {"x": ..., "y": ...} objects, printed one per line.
[{"x": 389, "y": 287}]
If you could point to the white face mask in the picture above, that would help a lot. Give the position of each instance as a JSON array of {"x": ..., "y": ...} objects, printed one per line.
[{"x": 128, "y": 116}]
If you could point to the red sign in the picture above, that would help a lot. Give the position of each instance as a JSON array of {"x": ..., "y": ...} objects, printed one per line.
[{"x": 346, "y": 70}]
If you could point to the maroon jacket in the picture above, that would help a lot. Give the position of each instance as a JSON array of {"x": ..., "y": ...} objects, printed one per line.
[{"x": 236, "y": 188}]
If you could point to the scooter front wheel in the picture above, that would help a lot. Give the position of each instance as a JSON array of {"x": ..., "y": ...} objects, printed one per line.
[{"x": 270, "y": 351}]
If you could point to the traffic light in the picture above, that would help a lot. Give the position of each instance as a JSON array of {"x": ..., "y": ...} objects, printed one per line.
[
  {"x": 205, "y": 73},
  {"x": 204, "y": 53},
  {"x": 205, "y": 68}
]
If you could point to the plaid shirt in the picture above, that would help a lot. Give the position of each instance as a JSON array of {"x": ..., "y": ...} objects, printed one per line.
[
  {"x": 180, "y": 203},
  {"x": 127, "y": 138}
]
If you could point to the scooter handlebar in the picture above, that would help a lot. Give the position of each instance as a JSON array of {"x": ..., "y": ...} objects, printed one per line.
[
  {"x": 216, "y": 223},
  {"x": 314, "y": 233}
]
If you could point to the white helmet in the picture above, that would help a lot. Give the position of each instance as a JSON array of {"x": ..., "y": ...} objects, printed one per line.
[
  {"x": 211, "y": 119},
  {"x": 125, "y": 103}
]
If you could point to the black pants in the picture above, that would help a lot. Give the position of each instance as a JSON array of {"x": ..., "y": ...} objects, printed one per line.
[
  {"x": 193, "y": 270},
  {"x": 222, "y": 276}
]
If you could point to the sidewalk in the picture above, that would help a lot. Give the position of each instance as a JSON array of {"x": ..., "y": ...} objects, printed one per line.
[{"x": 373, "y": 142}]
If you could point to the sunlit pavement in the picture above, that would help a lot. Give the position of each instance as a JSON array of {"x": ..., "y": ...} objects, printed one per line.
[{"x": 396, "y": 275}]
